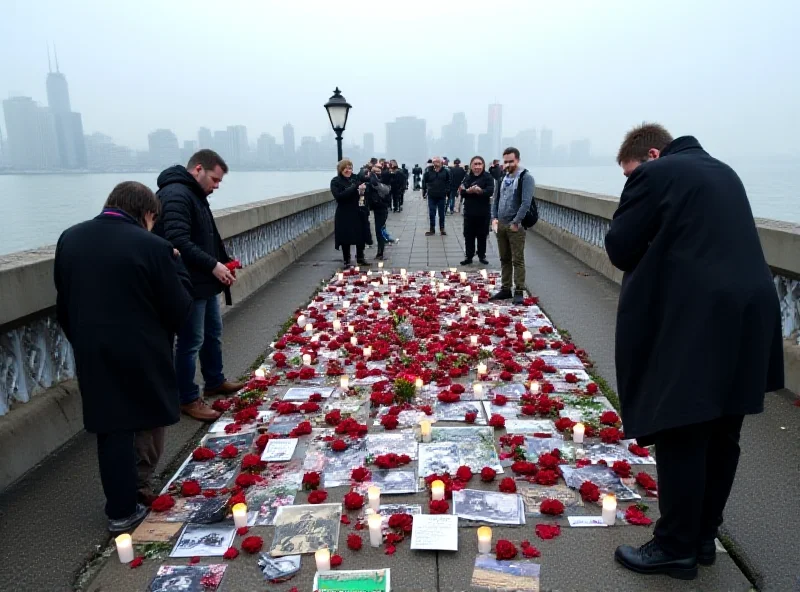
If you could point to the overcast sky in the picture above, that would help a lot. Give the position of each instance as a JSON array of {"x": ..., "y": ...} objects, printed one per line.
[{"x": 726, "y": 72}]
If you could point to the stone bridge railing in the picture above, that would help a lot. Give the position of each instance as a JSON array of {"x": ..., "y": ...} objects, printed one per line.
[
  {"x": 578, "y": 222},
  {"x": 34, "y": 354}
]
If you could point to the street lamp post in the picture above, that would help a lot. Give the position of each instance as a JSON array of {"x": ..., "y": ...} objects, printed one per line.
[{"x": 338, "y": 108}]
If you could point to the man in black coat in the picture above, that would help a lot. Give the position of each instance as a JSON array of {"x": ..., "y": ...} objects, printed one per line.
[
  {"x": 457, "y": 174},
  {"x": 436, "y": 188},
  {"x": 417, "y": 172},
  {"x": 186, "y": 221},
  {"x": 397, "y": 180},
  {"x": 698, "y": 335},
  {"x": 122, "y": 294},
  {"x": 496, "y": 170}
]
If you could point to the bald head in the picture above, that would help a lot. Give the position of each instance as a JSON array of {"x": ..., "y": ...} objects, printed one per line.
[{"x": 437, "y": 162}]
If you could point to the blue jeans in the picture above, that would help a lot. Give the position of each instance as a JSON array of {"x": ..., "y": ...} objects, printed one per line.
[
  {"x": 201, "y": 334},
  {"x": 436, "y": 204},
  {"x": 451, "y": 202}
]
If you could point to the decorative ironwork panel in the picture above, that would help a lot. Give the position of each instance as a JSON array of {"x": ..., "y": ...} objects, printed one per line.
[
  {"x": 588, "y": 228},
  {"x": 789, "y": 296}
]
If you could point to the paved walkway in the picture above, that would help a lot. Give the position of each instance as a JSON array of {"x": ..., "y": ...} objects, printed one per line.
[{"x": 52, "y": 522}]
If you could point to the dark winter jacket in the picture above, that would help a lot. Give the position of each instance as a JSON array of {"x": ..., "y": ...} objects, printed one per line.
[
  {"x": 348, "y": 221},
  {"x": 699, "y": 323},
  {"x": 478, "y": 204},
  {"x": 187, "y": 222},
  {"x": 457, "y": 174},
  {"x": 436, "y": 184},
  {"x": 398, "y": 182},
  {"x": 417, "y": 171},
  {"x": 121, "y": 296},
  {"x": 496, "y": 171},
  {"x": 374, "y": 199}
]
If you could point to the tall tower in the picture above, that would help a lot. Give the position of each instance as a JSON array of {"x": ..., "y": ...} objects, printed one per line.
[
  {"x": 57, "y": 88},
  {"x": 495, "y": 130},
  {"x": 288, "y": 145},
  {"x": 69, "y": 125}
]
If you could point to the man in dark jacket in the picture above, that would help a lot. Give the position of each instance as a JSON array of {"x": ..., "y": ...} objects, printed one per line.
[
  {"x": 417, "y": 172},
  {"x": 436, "y": 188},
  {"x": 698, "y": 335},
  {"x": 457, "y": 174},
  {"x": 378, "y": 196},
  {"x": 186, "y": 221},
  {"x": 397, "y": 180},
  {"x": 122, "y": 294},
  {"x": 496, "y": 170}
]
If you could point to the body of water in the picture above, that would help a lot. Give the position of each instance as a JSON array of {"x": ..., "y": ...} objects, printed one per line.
[{"x": 35, "y": 209}]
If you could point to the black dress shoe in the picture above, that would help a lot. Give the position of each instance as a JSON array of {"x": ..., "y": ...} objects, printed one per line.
[
  {"x": 502, "y": 295},
  {"x": 651, "y": 559},
  {"x": 467, "y": 261},
  {"x": 707, "y": 552},
  {"x": 363, "y": 262},
  {"x": 483, "y": 260}
]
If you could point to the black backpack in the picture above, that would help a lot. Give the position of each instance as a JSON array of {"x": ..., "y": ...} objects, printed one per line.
[{"x": 532, "y": 215}]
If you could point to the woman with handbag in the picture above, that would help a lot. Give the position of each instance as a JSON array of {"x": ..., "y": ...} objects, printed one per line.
[
  {"x": 476, "y": 191},
  {"x": 349, "y": 193}
]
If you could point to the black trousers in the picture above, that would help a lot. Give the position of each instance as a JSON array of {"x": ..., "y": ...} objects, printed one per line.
[
  {"x": 116, "y": 454},
  {"x": 397, "y": 200},
  {"x": 476, "y": 229},
  {"x": 696, "y": 467},
  {"x": 380, "y": 222},
  {"x": 359, "y": 253}
]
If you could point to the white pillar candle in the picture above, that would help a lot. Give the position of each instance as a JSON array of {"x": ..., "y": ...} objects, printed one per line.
[
  {"x": 124, "y": 548},
  {"x": 526, "y": 336},
  {"x": 351, "y": 328},
  {"x": 375, "y": 521},
  {"x": 437, "y": 490},
  {"x": 260, "y": 373},
  {"x": 473, "y": 339},
  {"x": 340, "y": 276},
  {"x": 371, "y": 293},
  {"x": 463, "y": 310},
  {"x": 323, "y": 559},
  {"x": 358, "y": 269},
  {"x": 484, "y": 539},
  {"x": 481, "y": 369},
  {"x": 449, "y": 322},
  {"x": 418, "y": 382},
  {"x": 337, "y": 325},
  {"x": 484, "y": 274},
  {"x": 306, "y": 359},
  {"x": 578, "y": 430},
  {"x": 475, "y": 299},
  {"x": 354, "y": 340},
  {"x": 385, "y": 304},
  {"x": 344, "y": 382},
  {"x": 367, "y": 351},
  {"x": 468, "y": 289},
  {"x": 535, "y": 388},
  {"x": 403, "y": 273},
  {"x": 477, "y": 388},
  {"x": 496, "y": 313},
  {"x": 324, "y": 307},
  {"x": 463, "y": 276},
  {"x": 301, "y": 321},
  {"x": 385, "y": 281},
  {"x": 315, "y": 338},
  {"x": 345, "y": 304},
  {"x": 239, "y": 515},
  {"x": 369, "y": 273},
  {"x": 393, "y": 289},
  {"x": 309, "y": 327},
  {"x": 425, "y": 430},
  {"x": 609, "y": 509},
  {"x": 374, "y": 497},
  {"x": 380, "y": 264},
  {"x": 432, "y": 273},
  {"x": 364, "y": 279}
]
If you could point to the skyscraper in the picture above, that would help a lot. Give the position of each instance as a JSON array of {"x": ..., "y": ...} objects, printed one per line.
[
  {"x": 267, "y": 151},
  {"x": 288, "y": 145},
  {"x": 221, "y": 143},
  {"x": 546, "y": 146},
  {"x": 456, "y": 142},
  {"x": 495, "y": 130},
  {"x": 239, "y": 148},
  {"x": 163, "y": 148},
  {"x": 68, "y": 125},
  {"x": 32, "y": 140},
  {"x": 527, "y": 144},
  {"x": 205, "y": 138},
  {"x": 405, "y": 140},
  {"x": 485, "y": 147},
  {"x": 369, "y": 145}
]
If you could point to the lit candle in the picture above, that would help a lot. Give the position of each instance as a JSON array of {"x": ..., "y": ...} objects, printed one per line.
[
  {"x": 354, "y": 340},
  {"x": 449, "y": 322},
  {"x": 609, "y": 509},
  {"x": 357, "y": 269},
  {"x": 481, "y": 369},
  {"x": 385, "y": 281},
  {"x": 578, "y": 430},
  {"x": 478, "y": 389},
  {"x": 403, "y": 272},
  {"x": 463, "y": 276},
  {"x": 369, "y": 273},
  {"x": 375, "y": 521},
  {"x": 337, "y": 325},
  {"x": 535, "y": 388},
  {"x": 468, "y": 289},
  {"x": 124, "y": 548},
  {"x": 393, "y": 289},
  {"x": 453, "y": 270},
  {"x": 374, "y": 497},
  {"x": 526, "y": 336},
  {"x": 463, "y": 310},
  {"x": 323, "y": 559},
  {"x": 239, "y": 515},
  {"x": 437, "y": 490},
  {"x": 345, "y": 304},
  {"x": 324, "y": 307},
  {"x": 473, "y": 339},
  {"x": 301, "y": 320},
  {"x": 309, "y": 327},
  {"x": 344, "y": 382},
  {"x": 380, "y": 264},
  {"x": 260, "y": 373},
  {"x": 385, "y": 304},
  {"x": 484, "y": 539},
  {"x": 432, "y": 273},
  {"x": 418, "y": 382},
  {"x": 425, "y": 430},
  {"x": 364, "y": 279},
  {"x": 340, "y": 276},
  {"x": 306, "y": 359},
  {"x": 497, "y": 313},
  {"x": 351, "y": 328},
  {"x": 367, "y": 352},
  {"x": 475, "y": 299},
  {"x": 484, "y": 274}
]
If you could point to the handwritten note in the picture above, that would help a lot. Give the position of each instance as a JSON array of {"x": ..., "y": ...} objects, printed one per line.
[
  {"x": 435, "y": 532},
  {"x": 578, "y": 521},
  {"x": 279, "y": 450}
]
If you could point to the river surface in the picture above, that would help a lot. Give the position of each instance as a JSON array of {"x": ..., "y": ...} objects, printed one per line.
[{"x": 35, "y": 209}]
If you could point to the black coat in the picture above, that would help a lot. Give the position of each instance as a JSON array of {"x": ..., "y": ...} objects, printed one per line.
[
  {"x": 457, "y": 174},
  {"x": 398, "y": 182},
  {"x": 436, "y": 184},
  {"x": 496, "y": 171},
  {"x": 122, "y": 295},
  {"x": 417, "y": 171},
  {"x": 478, "y": 204},
  {"x": 186, "y": 221},
  {"x": 698, "y": 325},
  {"x": 348, "y": 221},
  {"x": 374, "y": 199}
]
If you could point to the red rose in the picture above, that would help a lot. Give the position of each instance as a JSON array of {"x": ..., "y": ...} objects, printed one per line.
[
  {"x": 506, "y": 376},
  {"x": 317, "y": 496},
  {"x": 307, "y": 373},
  {"x": 194, "y": 560},
  {"x": 457, "y": 388},
  {"x": 344, "y": 519},
  {"x": 548, "y": 388},
  {"x": 464, "y": 473},
  {"x": 393, "y": 538},
  {"x": 500, "y": 400},
  {"x": 548, "y": 461},
  {"x": 402, "y": 522},
  {"x": 621, "y": 468},
  {"x": 589, "y": 491},
  {"x": 564, "y": 423},
  {"x": 507, "y": 485},
  {"x": 353, "y": 501},
  {"x": 339, "y": 445},
  {"x": 497, "y": 421},
  {"x": 439, "y": 507},
  {"x": 162, "y": 503},
  {"x": 137, "y": 562},
  {"x": 529, "y": 550},
  {"x": 221, "y": 405},
  {"x": 354, "y": 542},
  {"x": 638, "y": 450},
  {"x": 311, "y": 480},
  {"x": 239, "y": 498},
  {"x": 309, "y": 407},
  {"x": 404, "y": 459},
  {"x": 286, "y": 408},
  {"x": 190, "y": 487},
  {"x": 470, "y": 416},
  {"x": 634, "y": 515},
  {"x": 246, "y": 415},
  {"x": 591, "y": 388},
  {"x": 201, "y": 454},
  {"x": 609, "y": 418},
  {"x": 336, "y": 560},
  {"x": 333, "y": 417},
  {"x": 547, "y": 531},
  {"x": 646, "y": 481},
  {"x": 242, "y": 531},
  {"x": 505, "y": 549},
  {"x": 570, "y": 378},
  {"x": 231, "y": 553},
  {"x": 448, "y": 397},
  {"x": 522, "y": 467},
  {"x": 582, "y": 462},
  {"x": 360, "y": 474},
  {"x": 551, "y": 507},
  {"x": 253, "y": 462},
  {"x": 389, "y": 422},
  {"x": 252, "y": 544},
  {"x": 610, "y": 435},
  {"x": 488, "y": 474},
  {"x": 315, "y": 398},
  {"x": 546, "y": 477},
  {"x": 302, "y": 429},
  {"x": 230, "y": 451},
  {"x": 246, "y": 480},
  {"x": 390, "y": 549},
  {"x": 528, "y": 410}
]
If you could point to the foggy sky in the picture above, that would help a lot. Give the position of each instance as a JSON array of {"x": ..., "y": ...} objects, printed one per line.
[{"x": 726, "y": 72}]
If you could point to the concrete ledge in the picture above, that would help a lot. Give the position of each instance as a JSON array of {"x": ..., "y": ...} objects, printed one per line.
[
  {"x": 595, "y": 204},
  {"x": 37, "y": 428},
  {"x": 791, "y": 365}
]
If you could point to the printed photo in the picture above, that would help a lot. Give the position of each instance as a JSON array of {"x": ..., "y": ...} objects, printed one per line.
[
  {"x": 531, "y": 426},
  {"x": 533, "y": 496},
  {"x": 505, "y": 576},
  {"x": 535, "y": 447},
  {"x": 457, "y": 411},
  {"x": 278, "y": 568},
  {"x": 263, "y": 503},
  {"x": 391, "y": 482},
  {"x": 488, "y": 506},
  {"x": 438, "y": 458},
  {"x": 404, "y": 442},
  {"x": 605, "y": 479},
  {"x": 302, "y": 394},
  {"x": 204, "y": 540},
  {"x": 187, "y": 578},
  {"x": 244, "y": 442},
  {"x": 212, "y": 474},
  {"x": 367, "y": 580},
  {"x": 510, "y": 410},
  {"x": 306, "y": 529}
]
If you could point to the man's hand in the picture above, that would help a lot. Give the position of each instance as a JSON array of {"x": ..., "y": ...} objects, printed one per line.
[
  {"x": 514, "y": 227},
  {"x": 176, "y": 253},
  {"x": 223, "y": 274},
  {"x": 495, "y": 224}
]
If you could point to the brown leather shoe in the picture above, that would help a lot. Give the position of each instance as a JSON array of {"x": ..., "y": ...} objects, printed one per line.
[
  {"x": 200, "y": 410},
  {"x": 226, "y": 388}
]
